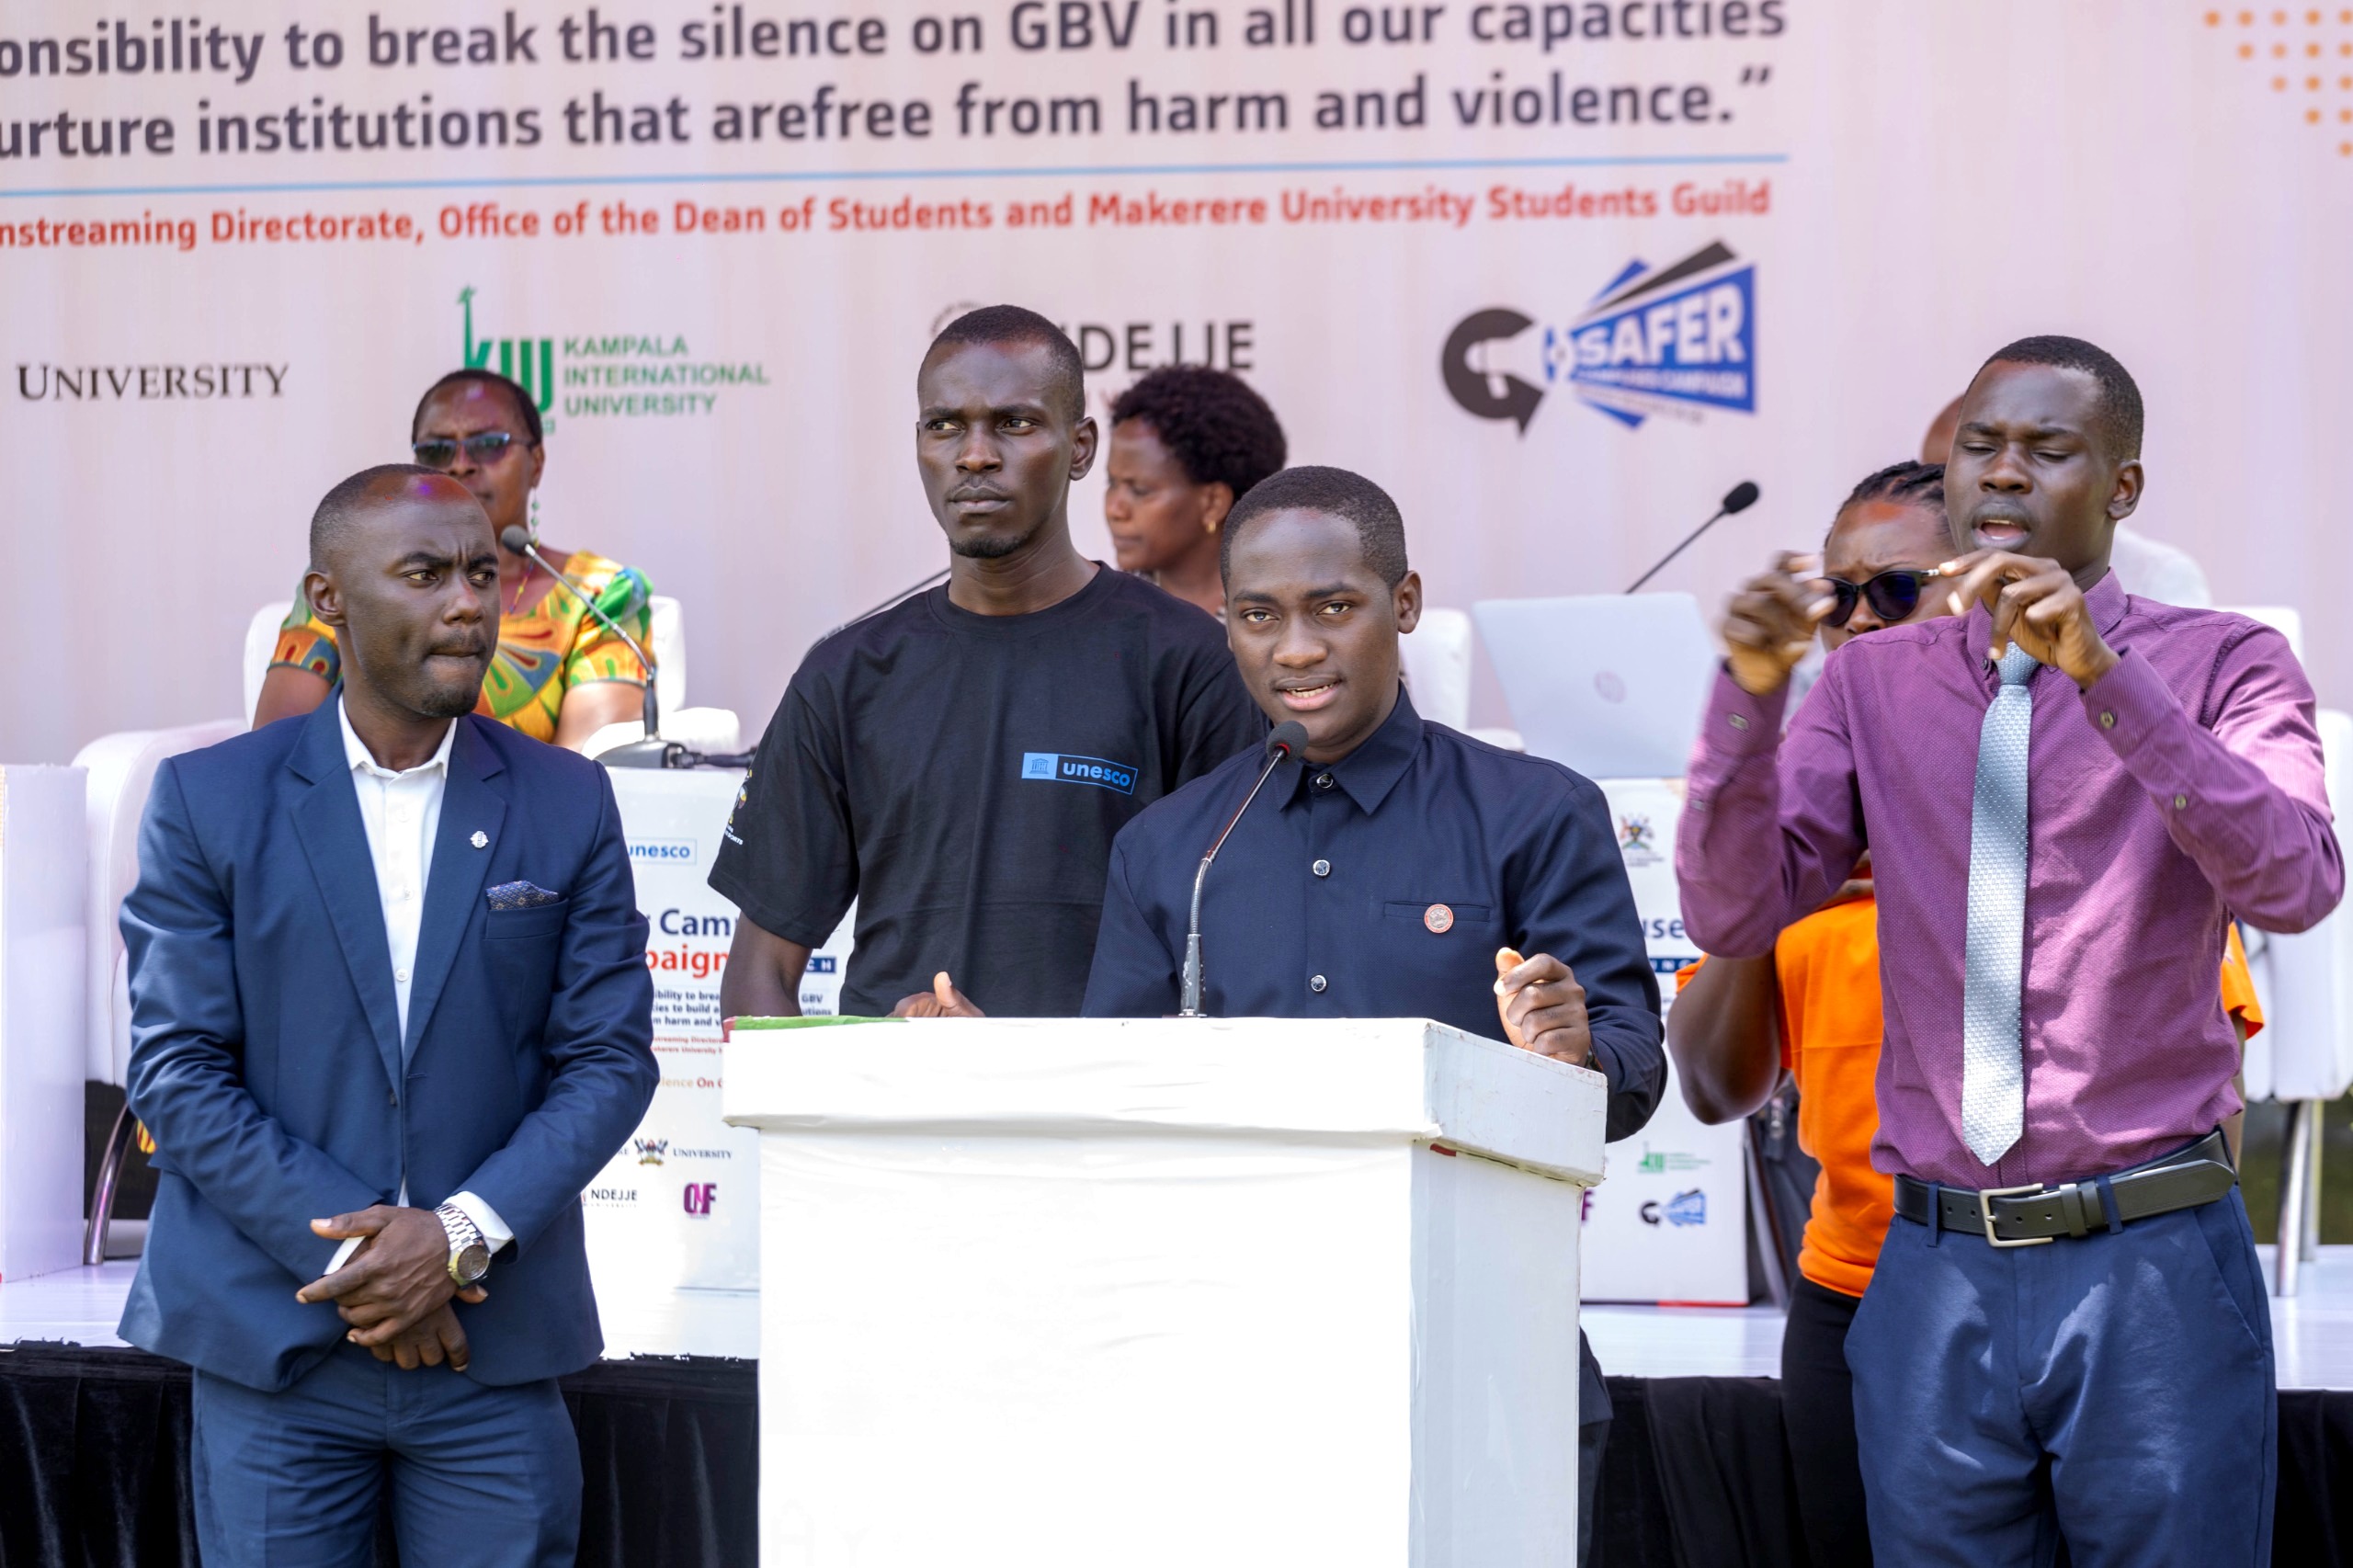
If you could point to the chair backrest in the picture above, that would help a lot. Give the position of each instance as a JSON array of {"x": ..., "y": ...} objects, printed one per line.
[
  {"x": 261, "y": 642},
  {"x": 123, "y": 770},
  {"x": 667, "y": 645},
  {"x": 1437, "y": 656},
  {"x": 2308, "y": 1006}
]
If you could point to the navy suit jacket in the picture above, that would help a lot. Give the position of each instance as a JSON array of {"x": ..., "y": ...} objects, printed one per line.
[{"x": 268, "y": 1060}]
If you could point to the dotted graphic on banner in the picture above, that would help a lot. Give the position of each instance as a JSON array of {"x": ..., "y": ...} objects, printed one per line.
[{"x": 2308, "y": 50}]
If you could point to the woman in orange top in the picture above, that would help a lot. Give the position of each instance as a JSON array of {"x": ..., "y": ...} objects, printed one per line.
[{"x": 1813, "y": 1007}]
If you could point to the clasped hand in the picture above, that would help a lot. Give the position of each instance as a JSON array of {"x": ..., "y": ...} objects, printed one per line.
[
  {"x": 395, "y": 1290},
  {"x": 1542, "y": 1008}
]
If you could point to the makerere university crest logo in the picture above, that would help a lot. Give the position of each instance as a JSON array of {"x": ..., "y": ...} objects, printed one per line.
[{"x": 1679, "y": 340}]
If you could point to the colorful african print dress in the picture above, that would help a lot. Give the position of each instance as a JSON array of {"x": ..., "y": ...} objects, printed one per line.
[{"x": 543, "y": 653}]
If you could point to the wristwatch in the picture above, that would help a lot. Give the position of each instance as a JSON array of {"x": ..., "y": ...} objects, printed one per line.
[{"x": 469, "y": 1254}]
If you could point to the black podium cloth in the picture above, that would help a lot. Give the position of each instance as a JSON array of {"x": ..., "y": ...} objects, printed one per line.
[{"x": 94, "y": 1468}]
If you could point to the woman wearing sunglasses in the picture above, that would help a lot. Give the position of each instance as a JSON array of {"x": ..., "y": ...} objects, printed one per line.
[
  {"x": 560, "y": 675},
  {"x": 1813, "y": 1007}
]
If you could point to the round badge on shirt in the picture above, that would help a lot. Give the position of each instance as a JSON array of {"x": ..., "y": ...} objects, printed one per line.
[{"x": 1438, "y": 918}]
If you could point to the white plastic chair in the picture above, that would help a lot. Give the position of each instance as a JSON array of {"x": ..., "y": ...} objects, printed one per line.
[
  {"x": 1437, "y": 657},
  {"x": 121, "y": 771}
]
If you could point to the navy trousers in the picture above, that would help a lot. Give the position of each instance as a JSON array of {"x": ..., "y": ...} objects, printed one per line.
[
  {"x": 2116, "y": 1391},
  {"x": 481, "y": 1477}
]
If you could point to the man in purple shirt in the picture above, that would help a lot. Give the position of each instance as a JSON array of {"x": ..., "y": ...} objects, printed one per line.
[{"x": 2067, "y": 1332}]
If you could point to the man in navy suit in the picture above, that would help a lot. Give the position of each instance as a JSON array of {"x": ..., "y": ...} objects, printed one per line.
[{"x": 387, "y": 968}]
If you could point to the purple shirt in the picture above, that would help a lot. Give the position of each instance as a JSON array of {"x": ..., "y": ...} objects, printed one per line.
[{"x": 2186, "y": 783}]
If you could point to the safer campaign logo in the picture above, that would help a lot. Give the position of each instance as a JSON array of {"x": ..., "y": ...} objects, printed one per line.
[
  {"x": 1679, "y": 339},
  {"x": 610, "y": 374}
]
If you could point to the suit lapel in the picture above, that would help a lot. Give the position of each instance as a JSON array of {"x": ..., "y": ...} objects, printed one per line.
[
  {"x": 326, "y": 820},
  {"x": 470, "y": 806}
]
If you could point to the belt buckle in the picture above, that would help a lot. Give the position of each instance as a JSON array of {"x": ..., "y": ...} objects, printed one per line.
[{"x": 1985, "y": 1196}]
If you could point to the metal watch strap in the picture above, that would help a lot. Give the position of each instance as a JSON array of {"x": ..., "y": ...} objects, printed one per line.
[{"x": 464, "y": 1235}]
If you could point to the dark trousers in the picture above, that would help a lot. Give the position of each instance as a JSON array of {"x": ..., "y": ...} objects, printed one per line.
[
  {"x": 2116, "y": 1391},
  {"x": 481, "y": 1477},
  {"x": 1818, "y": 1420}
]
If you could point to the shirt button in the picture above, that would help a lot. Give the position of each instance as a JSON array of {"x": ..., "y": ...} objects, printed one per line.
[
  {"x": 2108, "y": 720},
  {"x": 1322, "y": 868},
  {"x": 1740, "y": 721},
  {"x": 1323, "y": 782},
  {"x": 401, "y": 975},
  {"x": 2181, "y": 802},
  {"x": 1315, "y": 982}
]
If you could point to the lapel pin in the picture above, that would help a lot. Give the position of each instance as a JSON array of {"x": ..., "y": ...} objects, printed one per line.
[
  {"x": 1438, "y": 918},
  {"x": 480, "y": 840}
]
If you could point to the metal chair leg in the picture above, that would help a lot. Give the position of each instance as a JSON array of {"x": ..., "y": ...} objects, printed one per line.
[
  {"x": 1762, "y": 1223},
  {"x": 94, "y": 1235},
  {"x": 2317, "y": 1142},
  {"x": 2298, "y": 1195}
]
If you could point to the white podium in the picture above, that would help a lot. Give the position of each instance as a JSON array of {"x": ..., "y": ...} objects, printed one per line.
[{"x": 1069, "y": 1293}]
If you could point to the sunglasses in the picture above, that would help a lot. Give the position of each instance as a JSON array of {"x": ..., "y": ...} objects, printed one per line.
[
  {"x": 1894, "y": 595},
  {"x": 441, "y": 452}
]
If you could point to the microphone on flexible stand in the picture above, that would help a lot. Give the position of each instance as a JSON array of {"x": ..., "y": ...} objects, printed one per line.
[
  {"x": 652, "y": 750},
  {"x": 1739, "y": 498},
  {"x": 1288, "y": 737},
  {"x": 900, "y": 598}
]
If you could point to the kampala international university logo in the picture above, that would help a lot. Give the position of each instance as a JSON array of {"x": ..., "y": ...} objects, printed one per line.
[
  {"x": 626, "y": 374},
  {"x": 1679, "y": 340}
]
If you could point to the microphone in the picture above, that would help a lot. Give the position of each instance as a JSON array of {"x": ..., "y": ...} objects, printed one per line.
[
  {"x": 1739, "y": 498},
  {"x": 900, "y": 598},
  {"x": 1288, "y": 737},
  {"x": 648, "y": 751}
]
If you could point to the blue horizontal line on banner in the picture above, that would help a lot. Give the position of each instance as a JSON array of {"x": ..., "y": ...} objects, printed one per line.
[{"x": 1072, "y": 172}]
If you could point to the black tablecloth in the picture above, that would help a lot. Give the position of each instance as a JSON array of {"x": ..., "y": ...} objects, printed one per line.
[{"x": 94, "y": 1468}]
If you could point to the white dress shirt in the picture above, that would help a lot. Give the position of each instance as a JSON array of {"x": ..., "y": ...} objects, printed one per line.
[{"x": 402, "y": 812}]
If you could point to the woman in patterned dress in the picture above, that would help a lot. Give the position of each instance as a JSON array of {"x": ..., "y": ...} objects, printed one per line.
[{"x": 560, "y": 675}]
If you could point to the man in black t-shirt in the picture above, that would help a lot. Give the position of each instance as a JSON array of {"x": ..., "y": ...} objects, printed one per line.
[{"x": 960, "y": 763}]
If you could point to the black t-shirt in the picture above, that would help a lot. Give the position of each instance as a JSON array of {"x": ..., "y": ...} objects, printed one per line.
[{"x": 962, "y": 776}]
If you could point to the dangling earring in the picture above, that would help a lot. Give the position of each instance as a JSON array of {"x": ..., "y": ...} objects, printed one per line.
[{"x": 535, "y": 516}]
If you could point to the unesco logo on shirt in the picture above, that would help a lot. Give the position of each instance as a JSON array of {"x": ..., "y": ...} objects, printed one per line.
[{"x": 1053, "y": 767}]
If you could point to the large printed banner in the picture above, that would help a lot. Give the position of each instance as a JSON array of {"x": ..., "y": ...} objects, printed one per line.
[{"x": 1558, "y": 273}]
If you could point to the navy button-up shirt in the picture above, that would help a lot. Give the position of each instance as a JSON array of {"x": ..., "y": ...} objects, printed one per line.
[{"x": 1381, "y": 886}]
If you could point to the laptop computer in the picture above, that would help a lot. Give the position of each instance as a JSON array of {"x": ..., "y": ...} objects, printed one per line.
[{"x": 1612, "y": 685}]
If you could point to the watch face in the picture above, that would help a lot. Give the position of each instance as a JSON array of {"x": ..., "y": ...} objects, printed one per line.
[{"x": 472, "y": 1263}]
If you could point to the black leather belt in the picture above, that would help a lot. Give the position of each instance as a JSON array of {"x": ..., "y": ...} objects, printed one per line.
[{"x": 2029, "y": 1216}]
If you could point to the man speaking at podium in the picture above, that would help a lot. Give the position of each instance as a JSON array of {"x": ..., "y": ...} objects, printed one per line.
[
  {"x": 1397, "y": 869},
  {"x": 959, "y": 763}
]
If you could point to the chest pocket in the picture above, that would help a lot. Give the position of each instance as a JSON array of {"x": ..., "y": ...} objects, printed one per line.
[
  {"x": 1437, "y": 946},
  {"x": 518, "y": 948}
]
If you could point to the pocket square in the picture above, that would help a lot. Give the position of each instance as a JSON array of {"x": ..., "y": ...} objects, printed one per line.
[{"x": 521, "y": 895}]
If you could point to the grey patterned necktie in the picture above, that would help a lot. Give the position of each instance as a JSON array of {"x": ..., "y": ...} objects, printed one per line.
[{"x": 1993, "y": 1070}]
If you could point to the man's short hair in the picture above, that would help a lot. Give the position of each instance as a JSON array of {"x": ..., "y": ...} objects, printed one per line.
[
  {"x": 1381, "y": 527},
  {"x": 525, "y": 409},
  {"x": 1212, "y": 422},
  {"x": 341, "y": 508},
  {"x": 1001, "y": 324},
  {"x": 2120, "y": 416}
]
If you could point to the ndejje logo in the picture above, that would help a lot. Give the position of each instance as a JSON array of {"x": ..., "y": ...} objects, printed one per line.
[
  {"x": 1679, "y": 339},
  {"x": 610, "y": 374}
]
